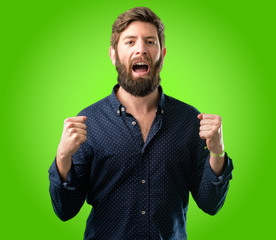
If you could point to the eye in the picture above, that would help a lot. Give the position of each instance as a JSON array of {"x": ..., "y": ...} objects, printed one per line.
[
  {"x": 151, "y": 42},
  {"x": 129, "y": 42}
]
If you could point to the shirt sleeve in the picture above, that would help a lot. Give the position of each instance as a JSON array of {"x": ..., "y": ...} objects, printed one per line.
[
  {"x": 208, "y": 190},
  {"x": 226, "y": 175},
  {"x": 68, "y": 197}
]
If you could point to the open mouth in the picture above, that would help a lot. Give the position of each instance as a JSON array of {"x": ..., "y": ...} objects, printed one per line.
[{"x": 140, "y": 67}]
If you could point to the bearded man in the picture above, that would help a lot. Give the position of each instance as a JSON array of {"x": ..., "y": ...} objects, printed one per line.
[{"x": 136, "y": 154}]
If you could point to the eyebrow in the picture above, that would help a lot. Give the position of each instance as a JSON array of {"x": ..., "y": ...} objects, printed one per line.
[{"x": 131, "y": 36}]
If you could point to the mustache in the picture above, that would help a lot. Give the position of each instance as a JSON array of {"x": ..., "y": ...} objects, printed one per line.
[
  {"x": 154, "y": 67},
  {"x": 145, "y": 58}
]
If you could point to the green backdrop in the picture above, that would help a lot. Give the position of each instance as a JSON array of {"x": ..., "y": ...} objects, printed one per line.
[{"x": 54, "y": 62}]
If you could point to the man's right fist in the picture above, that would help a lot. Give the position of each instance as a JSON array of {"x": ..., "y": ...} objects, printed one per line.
[{"x": 74, "y": 133}]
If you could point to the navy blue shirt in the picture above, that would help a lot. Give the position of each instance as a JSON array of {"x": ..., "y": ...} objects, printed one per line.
[{"x": 139, "y": 190}]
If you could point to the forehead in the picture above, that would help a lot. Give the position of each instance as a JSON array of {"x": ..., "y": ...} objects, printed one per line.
[{"x": 138, "y": 28}]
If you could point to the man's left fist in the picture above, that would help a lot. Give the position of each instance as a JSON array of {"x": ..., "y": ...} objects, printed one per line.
[{"x": 211, "y": 130}]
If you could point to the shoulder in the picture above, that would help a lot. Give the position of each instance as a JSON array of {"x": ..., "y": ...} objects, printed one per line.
[
  {"x": 177, "y": 106},
  {"x": 96, "y": 108},
  {"x": 181, "y": 117}
]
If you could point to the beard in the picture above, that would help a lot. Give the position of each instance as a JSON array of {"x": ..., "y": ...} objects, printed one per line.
[{"x": 140, "y": 86}]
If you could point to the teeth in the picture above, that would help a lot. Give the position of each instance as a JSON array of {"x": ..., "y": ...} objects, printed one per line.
[{"x": 140, "y": 63}]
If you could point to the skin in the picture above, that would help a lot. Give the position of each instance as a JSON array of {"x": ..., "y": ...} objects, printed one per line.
[
  {"x": 211, "y": 130},
  {"x": 139, "y": 39},
  {"x": 73, "y": 134}
]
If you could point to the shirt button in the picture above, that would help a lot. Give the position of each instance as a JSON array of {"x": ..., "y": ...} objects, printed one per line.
[
  {"x": 143, "y": 181},
  {"x": 122, "y": 109},
  {"x": 143, "y": 212},
  {"x": 118, "y": 111},
  {"x": 133, "y": 123},
  {"x": 162, "y": 111}
]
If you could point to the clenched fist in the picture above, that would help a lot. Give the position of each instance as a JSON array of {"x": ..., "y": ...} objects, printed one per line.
[
  {"x": 211, "y": 130},
  {"x": 74, "y": 133}
]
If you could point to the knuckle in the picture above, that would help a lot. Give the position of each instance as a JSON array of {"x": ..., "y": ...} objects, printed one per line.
[
  {"x": 218, "y": 118},
  {"x": 70, "y": 125},
  {"x": 71, "y": 130},
  {"x": 66, "y": 120},
  {"x": 75, "y": 136},
  {"x": 214, "y": 131}
]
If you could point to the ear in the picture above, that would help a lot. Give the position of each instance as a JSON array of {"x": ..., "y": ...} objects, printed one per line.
[
  {"x": 164, "y": 51},
  {"x": 112, "y": 55}
]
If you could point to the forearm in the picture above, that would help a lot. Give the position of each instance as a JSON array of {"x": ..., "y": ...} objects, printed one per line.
[
  {"x": 63, "y": 165},
  {"x": 217, "y": 164},
  {"x": 68, "y": 196},
  {"x": 211, "y": 197},
  {"x": 211, "y": 192},
  {"x": 66, "y": 201}
]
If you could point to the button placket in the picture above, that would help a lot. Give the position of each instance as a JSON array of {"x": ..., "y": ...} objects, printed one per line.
[{"x": 143, "y": 196}]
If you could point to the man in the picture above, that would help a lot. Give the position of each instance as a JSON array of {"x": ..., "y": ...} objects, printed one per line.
[{"x": 136, "y": 154}]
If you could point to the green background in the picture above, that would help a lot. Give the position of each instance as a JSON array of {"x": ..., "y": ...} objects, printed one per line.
[{"x": 54, "y": 62}]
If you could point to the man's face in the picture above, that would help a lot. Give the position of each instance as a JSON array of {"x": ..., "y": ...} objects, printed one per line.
[{"x": 138, "y": 59}]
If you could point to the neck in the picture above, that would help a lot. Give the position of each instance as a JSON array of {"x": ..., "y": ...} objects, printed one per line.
[{"x": 138, "y": 105}]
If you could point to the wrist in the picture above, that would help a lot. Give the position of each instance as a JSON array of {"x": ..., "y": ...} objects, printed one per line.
[
  {"x": 62, "y": 155},
  {"x": 64, "y": 163},
  {"x": 218, "y": 155}
]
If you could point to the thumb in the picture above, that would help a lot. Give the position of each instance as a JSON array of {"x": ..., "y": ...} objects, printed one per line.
[{"x": 200, "y": 116}]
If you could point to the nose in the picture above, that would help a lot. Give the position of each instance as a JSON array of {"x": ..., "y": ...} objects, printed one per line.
[{"x": 141, "y": 48}]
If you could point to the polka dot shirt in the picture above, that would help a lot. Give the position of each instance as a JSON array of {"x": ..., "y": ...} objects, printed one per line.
[{"x": 139, "y": 190}]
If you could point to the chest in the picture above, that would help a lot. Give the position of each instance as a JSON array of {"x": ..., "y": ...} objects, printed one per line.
[
  {"x": 145, "y": 123},
  {"x": 121, "y": 157}
]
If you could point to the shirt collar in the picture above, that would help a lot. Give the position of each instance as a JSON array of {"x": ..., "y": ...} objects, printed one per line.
[
  {"x": 161, "y": 104},
  {"x": 114, "y": 100},
  {"x": 117, "y": 106}
]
